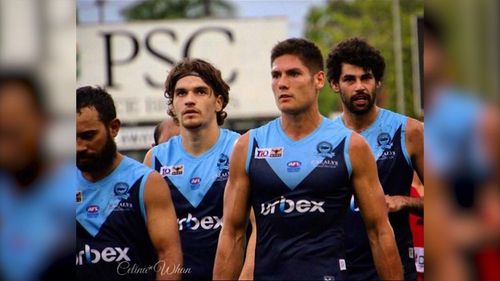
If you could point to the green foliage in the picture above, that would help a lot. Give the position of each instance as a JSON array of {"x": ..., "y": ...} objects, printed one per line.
[
  {"x": 371, "y": 20},
  {"x": 176, "y": 9}
]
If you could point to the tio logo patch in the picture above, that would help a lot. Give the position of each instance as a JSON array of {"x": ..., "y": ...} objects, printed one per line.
[
  {"x": 273, "y": 152},
  {"x": 175, "y": 170}
]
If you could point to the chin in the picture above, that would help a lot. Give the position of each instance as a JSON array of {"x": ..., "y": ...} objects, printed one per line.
[
  {"x": 191, "y": 125},
  {"x": 285, "y": 108},
  {"x": 292, "y": 109}
]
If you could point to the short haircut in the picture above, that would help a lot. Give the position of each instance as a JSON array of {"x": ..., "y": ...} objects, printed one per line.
[
  {"x": 208, "y": 73},
  {"x": 98, "y": 98},
  {"x": 308, "y": 53},
  {"x": 30, "y": 81},
  {"x": 357, "y": 52}
]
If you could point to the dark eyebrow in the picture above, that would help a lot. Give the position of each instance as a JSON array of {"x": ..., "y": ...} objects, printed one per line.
[
  {"x": 201, "y": 88},
  {"x": 366, "y": 75},
  {"x": 86, "y": 133},
  {"x": 347, "y": 76}
]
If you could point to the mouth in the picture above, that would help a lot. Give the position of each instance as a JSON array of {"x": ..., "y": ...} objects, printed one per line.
[
  {"x": 360, "y": 99},
  {"x": 284, "y": 96},
  {"x": 84, "y": 157},
  {"x": 190, "y": 112}
]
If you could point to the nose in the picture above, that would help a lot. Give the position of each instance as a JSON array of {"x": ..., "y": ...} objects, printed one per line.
[
  {"x": 80, "y": 145},
  {"x": 190, "y": 98},
  {"x": 282, "y": 82},
  {"x": 359, "y": 86}
]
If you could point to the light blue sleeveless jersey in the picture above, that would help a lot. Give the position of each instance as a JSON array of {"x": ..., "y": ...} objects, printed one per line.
[
  {"x": 387, "y": 140},
  {"x": 111, "y": 225},
  {"x": 197, "y": 187},
  {"x": 300, "y": 192}
]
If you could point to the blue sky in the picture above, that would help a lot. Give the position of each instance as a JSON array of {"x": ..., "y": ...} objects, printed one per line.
[{"x": 294, "y": 10}]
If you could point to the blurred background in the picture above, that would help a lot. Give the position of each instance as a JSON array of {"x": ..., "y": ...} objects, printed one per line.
[
  {"x": 37, "y": 147},
  {"x": 444, "y": 64}
]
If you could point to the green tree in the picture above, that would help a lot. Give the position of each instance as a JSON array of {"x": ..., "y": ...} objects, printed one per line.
[
  {"x": 371, "y": 20},
  {"x": 175, "y": 9}
]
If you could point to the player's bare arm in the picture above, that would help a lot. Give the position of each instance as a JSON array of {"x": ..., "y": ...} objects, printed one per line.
[
  {"x": 162, "y": 227},
  {"x": 415, "y": 147},
  {"x": 147, "y": 159},
  {"x": 370, "y": 197},
  {"x": 248, "y": 266},
  {"x": 231, "y": 247}
]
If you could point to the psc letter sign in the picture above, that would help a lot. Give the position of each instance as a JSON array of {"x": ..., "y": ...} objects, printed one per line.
[{"x": 132, "y": 61}]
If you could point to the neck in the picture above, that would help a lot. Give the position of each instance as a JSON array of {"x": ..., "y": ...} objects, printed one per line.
[
  {"x": 198, "y": 141},
  {"x": 98, "y": 175},
  {"x": 359, "y": 122},
  {"x": 298, "y": 126}
]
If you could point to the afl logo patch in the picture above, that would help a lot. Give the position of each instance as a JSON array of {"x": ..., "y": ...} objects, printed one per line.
[
  {"x": 325, "y": 149},
  {"x": 92, "y": 211},
  {"x": 293, "y": 166},
  {"x": 121, "y": 188},
  {"x": 195, "y": 182}
]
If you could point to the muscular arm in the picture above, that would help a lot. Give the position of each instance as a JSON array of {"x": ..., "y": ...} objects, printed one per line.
[
  {"x": 162, "y": 227},
  {"x": 397, "y": 203},
  {"x": 370, "y": 197},
  {"x": 147, "y": 159},
  {"x": 230, "y": 250},
  {"x": 247, "y": 271},
  {"x": 415, "y": 147}
]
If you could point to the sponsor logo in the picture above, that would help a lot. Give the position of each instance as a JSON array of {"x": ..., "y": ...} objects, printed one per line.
[
  {"x": 193, "y": 223},
  {"x": 273, "y": 152},
  {"x": 175, "y": 170},
  {"x": 121, "y": 206},
  {"x": 387, "y": 154},
  {"x": 79, "y": 197},
  {"x": 108, "y": 254},
  {"x": 93, "y": 211},
  {"x": 325, "y": 149},
  {"x": 222, "y": 175},
  {"x": 384, "y": 140},
  {"x": 121, "y": 188},
  {"x": 195, "y": 182},
  {"x": 223, "y": 166},
  {"x": 286, "y": 206},
  {"x": 325, "y": 163},
  {"x": 223, "y": 162},
  {"x": 293, "y": 166}
]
